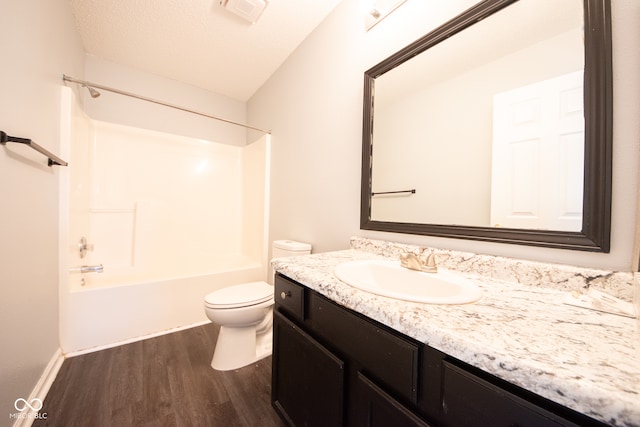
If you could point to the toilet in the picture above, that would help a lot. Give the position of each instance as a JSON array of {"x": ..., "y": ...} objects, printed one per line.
[{"x": 245, "y": 315}]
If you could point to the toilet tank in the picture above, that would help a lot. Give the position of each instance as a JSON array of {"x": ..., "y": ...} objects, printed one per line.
[{"x": 285, "y": 248}]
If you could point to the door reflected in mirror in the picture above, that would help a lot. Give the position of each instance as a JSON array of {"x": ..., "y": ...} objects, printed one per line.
[
  {"x": 472, "y": 125},
  {"x": 480, "y": 126}
]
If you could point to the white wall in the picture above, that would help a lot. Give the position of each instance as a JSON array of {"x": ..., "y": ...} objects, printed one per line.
[
  {"x": 313, "y": 105},
  {"x": 38, "y": 45},
  {"x": 116, "y": 108}
]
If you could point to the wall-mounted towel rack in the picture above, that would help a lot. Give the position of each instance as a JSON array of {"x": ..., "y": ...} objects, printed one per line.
[
  {"x": 412, "y": 191},
  {"x": 53, "y": 159}
]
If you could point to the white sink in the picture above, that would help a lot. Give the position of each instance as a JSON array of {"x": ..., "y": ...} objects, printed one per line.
[{"x": 389, "y": 279}]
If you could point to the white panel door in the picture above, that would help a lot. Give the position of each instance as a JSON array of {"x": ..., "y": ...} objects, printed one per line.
[{"x": 538, "y": 155}]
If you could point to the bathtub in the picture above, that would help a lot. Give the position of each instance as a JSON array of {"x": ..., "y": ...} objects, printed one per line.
[
  {"x": 109, "y": 310},
  {"x": 195, "y": 221}
]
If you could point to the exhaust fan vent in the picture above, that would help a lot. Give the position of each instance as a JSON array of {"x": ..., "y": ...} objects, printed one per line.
[{"x": 249, "y": 10}]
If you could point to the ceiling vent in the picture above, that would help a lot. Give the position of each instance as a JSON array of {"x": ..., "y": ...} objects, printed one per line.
[{"x": 249, "y": 10}]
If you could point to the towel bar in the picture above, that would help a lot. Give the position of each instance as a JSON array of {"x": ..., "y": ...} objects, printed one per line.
[{"x": 53, "y": 159}]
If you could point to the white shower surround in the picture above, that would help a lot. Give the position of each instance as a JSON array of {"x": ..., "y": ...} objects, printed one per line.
[{"x": 171, "y": 219}]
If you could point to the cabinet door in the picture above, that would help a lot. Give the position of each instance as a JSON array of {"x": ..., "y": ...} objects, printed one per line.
[
  {"x": 375, "y": 408},
  {"x": 308, "y": 380},
  {"x": 470, "y": 401},
  {"x": 390, "y": 359}
]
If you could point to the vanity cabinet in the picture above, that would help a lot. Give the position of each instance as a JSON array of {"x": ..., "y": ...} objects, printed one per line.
[
  {"x": 309, "y": 382},
  {"x": 335, "y": 367},
  {"x": 374, "y": 407}
]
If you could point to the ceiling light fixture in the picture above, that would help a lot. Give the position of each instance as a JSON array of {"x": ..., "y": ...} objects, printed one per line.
[
  {"x": 250, "y": 10},
  {"x": 379, "y": 10}
]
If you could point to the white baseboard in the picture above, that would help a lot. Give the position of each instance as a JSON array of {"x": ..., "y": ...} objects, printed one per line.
[
  {"x": 27, "y": 416},
  {"x": 39, "y": 392}
]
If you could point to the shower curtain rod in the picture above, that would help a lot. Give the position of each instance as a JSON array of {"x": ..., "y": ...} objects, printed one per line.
[{"x": 90, "y": 85}]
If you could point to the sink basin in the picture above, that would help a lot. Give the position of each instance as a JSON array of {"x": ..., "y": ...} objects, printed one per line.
[{"x": 389, "y": 279}]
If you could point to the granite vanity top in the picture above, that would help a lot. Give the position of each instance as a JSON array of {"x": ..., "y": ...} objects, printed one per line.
[{"x": 522, "y": 332}]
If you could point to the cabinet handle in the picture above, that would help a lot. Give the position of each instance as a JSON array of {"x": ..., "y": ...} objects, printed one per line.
[{"x": 285, "y": 294}]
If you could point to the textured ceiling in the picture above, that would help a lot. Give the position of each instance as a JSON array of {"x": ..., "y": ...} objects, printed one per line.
[{"x": 198, "y": 41}]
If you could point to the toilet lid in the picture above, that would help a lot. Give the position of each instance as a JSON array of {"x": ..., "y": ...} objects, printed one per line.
[{"x": 240, "y": 295}]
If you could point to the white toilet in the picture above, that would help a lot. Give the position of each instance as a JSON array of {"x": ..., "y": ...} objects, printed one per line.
[{"x": 245, "y": 313}]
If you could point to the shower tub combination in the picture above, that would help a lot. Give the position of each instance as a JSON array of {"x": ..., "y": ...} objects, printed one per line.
[{"x": 168, "y": 218}]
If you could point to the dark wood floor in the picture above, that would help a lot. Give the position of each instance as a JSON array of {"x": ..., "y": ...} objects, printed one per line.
[{"x": 162, "y": 381}]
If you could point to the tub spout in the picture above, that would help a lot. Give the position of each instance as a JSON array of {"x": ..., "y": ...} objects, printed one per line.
[{"x": 87, "y": 269}]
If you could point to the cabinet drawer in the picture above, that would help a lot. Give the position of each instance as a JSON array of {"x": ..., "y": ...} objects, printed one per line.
[
  {"x": 468, "y": 400},
  {"x": 388, "y": 358},
  {"x": 289, "y": 296}
]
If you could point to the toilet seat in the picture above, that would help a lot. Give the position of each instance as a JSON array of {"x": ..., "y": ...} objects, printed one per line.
[{"x": 244, "y": 295}]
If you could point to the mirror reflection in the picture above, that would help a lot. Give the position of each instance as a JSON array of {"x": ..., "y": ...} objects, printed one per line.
[{"x": 486, "y": 126}]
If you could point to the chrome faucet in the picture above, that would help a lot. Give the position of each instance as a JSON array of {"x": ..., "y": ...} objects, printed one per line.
[{"x": 413, "y": 262}]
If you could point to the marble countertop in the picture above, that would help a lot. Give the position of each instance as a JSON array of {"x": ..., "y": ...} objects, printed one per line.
[{"x": 586, "y": 360}]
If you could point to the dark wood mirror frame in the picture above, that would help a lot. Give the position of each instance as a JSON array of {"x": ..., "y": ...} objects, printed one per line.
[{"x": 598, "y": 111}]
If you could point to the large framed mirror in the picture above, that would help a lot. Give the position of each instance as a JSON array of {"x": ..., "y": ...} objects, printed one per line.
[{"x": 496, "y": 126}]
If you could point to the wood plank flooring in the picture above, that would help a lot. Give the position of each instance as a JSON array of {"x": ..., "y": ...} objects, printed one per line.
[{"x": 162, "y": 381}]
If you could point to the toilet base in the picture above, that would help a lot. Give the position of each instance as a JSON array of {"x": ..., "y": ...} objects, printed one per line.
[{"x": 239, "y": 347}]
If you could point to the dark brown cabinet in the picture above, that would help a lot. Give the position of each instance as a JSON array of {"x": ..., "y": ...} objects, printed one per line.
[
  {"x": 469, "y": 400},
  {"x": 335, "y": 367},
  {"x": 308, "y": 380},
  {"x": 374, "y": 407}
]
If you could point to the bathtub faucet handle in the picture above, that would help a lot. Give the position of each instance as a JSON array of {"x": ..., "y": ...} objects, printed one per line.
[{"x": 84, "y": 247}]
